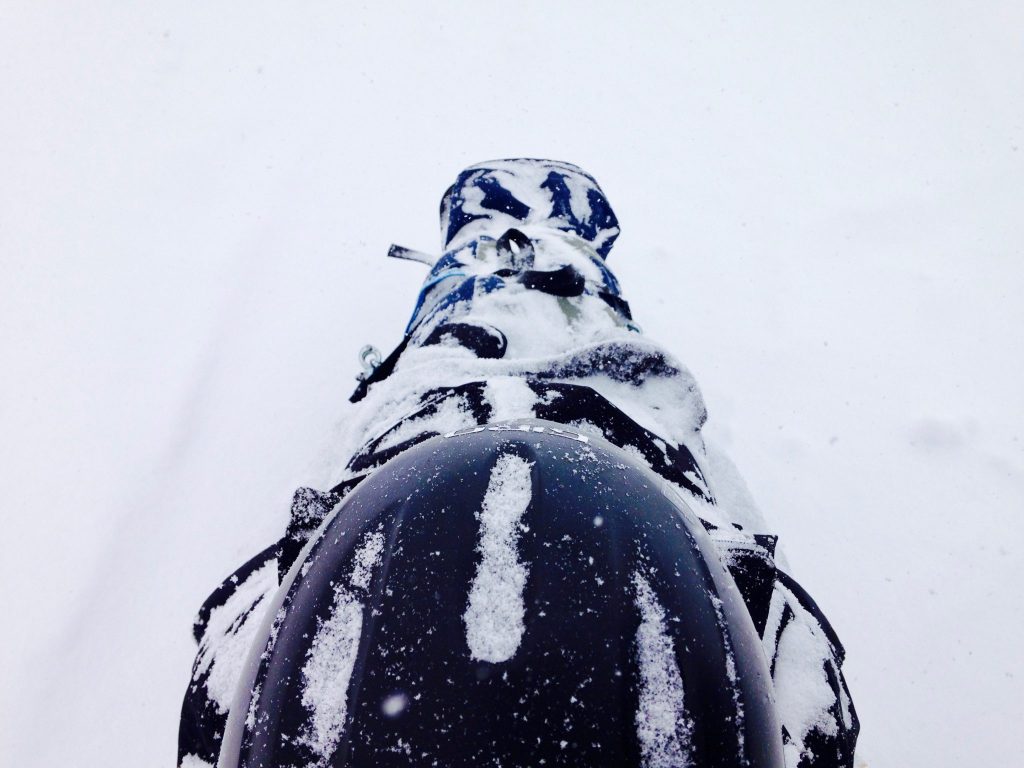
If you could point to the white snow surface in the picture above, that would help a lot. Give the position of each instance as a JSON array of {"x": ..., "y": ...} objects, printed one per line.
[
  {"x": 820, "y": 212},
  {"x": 494, "y": 615}
]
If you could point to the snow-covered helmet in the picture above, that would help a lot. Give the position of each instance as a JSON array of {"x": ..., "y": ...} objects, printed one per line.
[{"x": 513, "y": 594}]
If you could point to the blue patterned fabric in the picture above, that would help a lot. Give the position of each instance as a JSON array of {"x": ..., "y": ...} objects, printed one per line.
[{"x": 491, "y": 197}]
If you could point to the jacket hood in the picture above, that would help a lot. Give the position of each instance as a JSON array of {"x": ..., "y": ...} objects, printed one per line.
[{"x": 492, "y": 197}]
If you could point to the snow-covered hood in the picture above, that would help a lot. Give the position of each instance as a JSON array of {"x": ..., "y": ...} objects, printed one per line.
[
  {"x": 555, "y": 212},
  {"x": 491, "y": 197}
]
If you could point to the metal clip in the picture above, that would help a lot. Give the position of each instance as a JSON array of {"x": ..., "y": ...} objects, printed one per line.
[
  {"x": 515, "y": 250},
  {"x": 369, "y": 358}
]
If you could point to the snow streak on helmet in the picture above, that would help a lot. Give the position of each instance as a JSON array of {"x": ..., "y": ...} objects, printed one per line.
[
  {"x": 513, "y": 595},
  {"x": 489, "y": 198}
]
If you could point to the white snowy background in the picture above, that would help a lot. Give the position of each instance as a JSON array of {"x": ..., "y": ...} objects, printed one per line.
[{"x": 822, "y": 210}]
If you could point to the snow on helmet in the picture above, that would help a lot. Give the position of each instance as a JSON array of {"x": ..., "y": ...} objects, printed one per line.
[{"x": 516, "y": 594}]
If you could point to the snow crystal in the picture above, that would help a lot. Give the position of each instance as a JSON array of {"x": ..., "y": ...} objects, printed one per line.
[
  {"x": 494, "y": 616},
  {"x": 332, "y": 656},
  {"x": 661, "y": 723}
]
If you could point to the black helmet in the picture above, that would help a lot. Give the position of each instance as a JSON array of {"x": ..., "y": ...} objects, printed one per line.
[{"x": 517, "y": 595}]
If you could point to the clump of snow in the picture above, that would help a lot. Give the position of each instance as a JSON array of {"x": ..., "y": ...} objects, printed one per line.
[
  {"x": 366, "y": 558},
  {"x": 194, "y": 761},
  {"x": 227, "y": 638},
  {"x": 332, "y": 655},
  {"x": 587, "y": 427},
  {"x": 494, "y": 616},
  {"x": 452, "y": 414},
  {"x": 510, "y": 397},
  {"x": 661, "y": 723},
  {"x": 636, "y": 453},
  {"x": 327, "y": 673}
]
